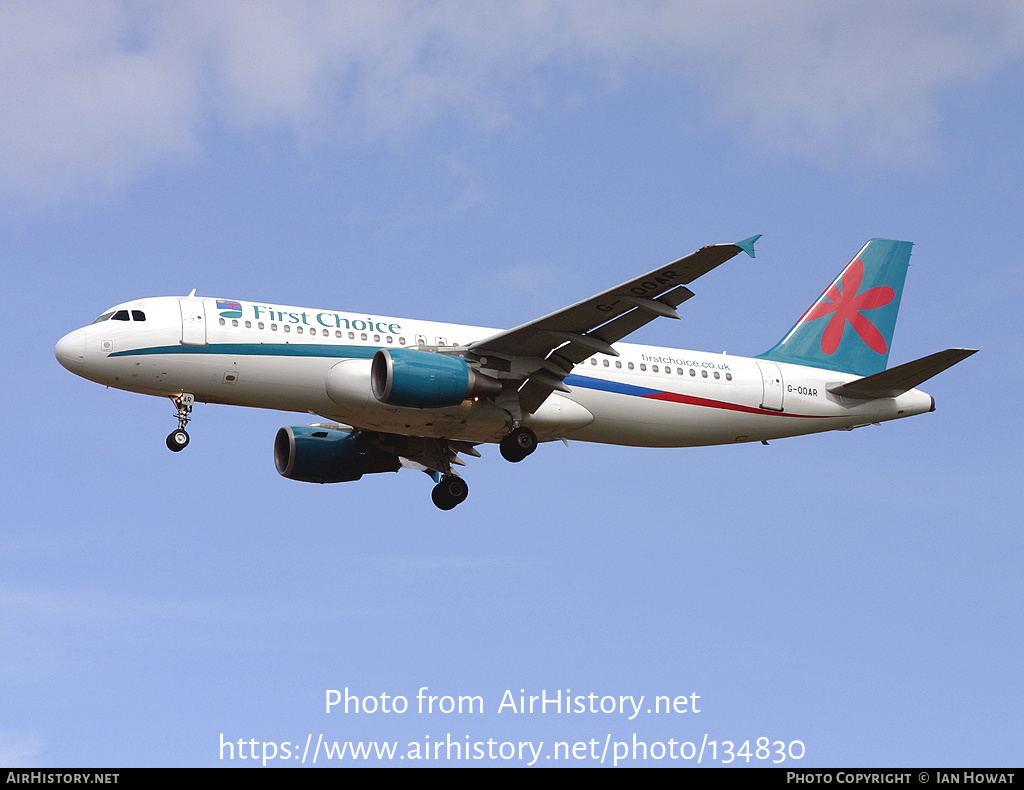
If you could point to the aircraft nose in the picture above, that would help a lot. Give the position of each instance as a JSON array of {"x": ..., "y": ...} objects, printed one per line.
[{"x": 70, "y": 350}]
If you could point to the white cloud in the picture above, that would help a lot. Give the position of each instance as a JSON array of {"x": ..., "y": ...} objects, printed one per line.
[
  {"x": 93, "y": 93},
  {"x": 78, "y": 105},
  {"x": 858, "y": 80}
]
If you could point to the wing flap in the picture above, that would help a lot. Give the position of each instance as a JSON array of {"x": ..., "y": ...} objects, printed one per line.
[{"x": 421, "y": 452}]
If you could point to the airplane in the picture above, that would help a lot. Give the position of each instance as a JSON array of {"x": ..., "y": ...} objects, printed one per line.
[{"x": 403, "y": 393}]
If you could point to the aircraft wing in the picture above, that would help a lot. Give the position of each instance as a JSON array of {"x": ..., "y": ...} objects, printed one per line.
[
  {"x": 423, "y": 453},
  {"x": 544, "y": 351}
]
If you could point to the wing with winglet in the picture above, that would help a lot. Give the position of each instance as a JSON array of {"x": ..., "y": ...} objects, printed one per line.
[{"x": 544, "y": 351}]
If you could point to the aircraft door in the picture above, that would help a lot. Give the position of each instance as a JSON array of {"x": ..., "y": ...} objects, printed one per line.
[
  {"x": 193, "y": 322},
  {"x": 771, "y": 379}
]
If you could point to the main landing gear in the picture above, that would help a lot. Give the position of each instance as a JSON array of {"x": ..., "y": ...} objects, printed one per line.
[
  {"x": 518, "y": 444},
  {"x": 449, "y": 492},
  {"x": 178, "y": 440}
]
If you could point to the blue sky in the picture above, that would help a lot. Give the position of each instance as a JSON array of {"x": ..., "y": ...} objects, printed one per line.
[{"x": 487, "y": 163}]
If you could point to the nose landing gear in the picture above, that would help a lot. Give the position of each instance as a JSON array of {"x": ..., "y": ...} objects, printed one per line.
[{"x": 178, "y": 440}]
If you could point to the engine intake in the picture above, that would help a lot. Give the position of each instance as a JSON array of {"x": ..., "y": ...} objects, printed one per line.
[{"x": 425, "y": 380}]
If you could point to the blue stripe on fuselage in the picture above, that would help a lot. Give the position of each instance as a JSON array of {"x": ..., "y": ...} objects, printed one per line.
[
  {"x": 260, "y": 350},
  {"x": 604, "y": 385}
]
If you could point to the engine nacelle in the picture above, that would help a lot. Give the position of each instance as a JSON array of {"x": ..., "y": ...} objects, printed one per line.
[
  {"x": 425, "y": 380},
  {"x": 314, "y": 454}
]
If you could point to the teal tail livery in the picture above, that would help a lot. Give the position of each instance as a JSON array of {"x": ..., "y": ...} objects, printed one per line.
[
  {"x": 850, "y": 327},
  {"x": 397, "y": 393}
]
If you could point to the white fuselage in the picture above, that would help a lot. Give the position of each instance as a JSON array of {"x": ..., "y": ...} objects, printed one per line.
[{"x": 318, "y": 361}]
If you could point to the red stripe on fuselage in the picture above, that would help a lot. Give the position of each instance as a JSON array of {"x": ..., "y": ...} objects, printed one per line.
[{"x": 690, "y": 400}]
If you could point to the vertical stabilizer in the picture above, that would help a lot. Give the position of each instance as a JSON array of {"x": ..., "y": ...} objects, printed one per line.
[{"x": 850, "y": 327}]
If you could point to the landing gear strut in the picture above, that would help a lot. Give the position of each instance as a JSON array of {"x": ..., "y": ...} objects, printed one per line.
[
  {"x": 178, "y": 440},
  {"x": 518, "y": 444},
  {"x": 451, "y": 491}
]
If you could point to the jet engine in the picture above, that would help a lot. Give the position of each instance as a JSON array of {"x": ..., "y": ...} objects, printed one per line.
[
  {"x": 316, "y": 454},
  {"x": 426, "y": 380}
]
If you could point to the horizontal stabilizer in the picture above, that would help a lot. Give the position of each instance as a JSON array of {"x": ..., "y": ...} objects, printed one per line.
[{"x": 895, "y": 381}]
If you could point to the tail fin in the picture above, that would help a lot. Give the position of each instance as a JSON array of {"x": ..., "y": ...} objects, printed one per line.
[{"x": 850, "y": 327}]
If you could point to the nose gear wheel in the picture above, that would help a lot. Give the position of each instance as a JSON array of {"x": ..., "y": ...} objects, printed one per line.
[{"x": 178, "y": 440}]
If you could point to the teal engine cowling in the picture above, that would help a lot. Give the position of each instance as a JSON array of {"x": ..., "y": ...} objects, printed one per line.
[
  {"x": 315, "y": 454},
  {"x": 426, "y": 380}
]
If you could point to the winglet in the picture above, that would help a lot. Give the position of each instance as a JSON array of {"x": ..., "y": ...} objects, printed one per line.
[{"x": 747, "y": 245}]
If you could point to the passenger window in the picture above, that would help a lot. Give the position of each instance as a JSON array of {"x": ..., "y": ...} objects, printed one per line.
[
  {"x": 629, "y": 365},
  {"x": 606, "y": 363},
  {"x": 654, "y": 368},
  {"x": 704, "y": 373},
  {"x": 138, "y": 315},
  {"x": 693, "y": 372}
]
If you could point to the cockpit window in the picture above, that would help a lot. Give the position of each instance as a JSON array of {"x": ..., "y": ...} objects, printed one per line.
[
  {"x": 138, "y": 315},
  {"x": 120, "y": 315},
  {"x": 103, "y": 317}
]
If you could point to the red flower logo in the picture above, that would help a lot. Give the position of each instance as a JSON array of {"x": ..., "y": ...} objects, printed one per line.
[{"x": 848, "y": 305}]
